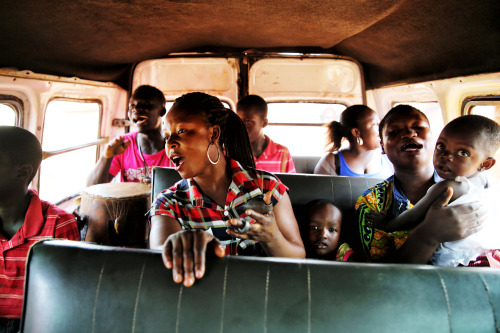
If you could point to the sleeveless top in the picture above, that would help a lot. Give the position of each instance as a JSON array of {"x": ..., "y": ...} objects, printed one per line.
[{"x": 384, "y": 172}]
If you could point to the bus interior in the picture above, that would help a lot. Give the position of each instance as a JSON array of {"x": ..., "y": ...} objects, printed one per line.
[
  {"x": 76, "y": 64},
  {"x": 67, "y": 69}
]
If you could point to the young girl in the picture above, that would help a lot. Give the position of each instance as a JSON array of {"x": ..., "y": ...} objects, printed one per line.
[
  {"x": 464, "y": 149},
  {"x": 323, "y": 232},
  {"x": 210, "y": 149},
  {"x": 359, "y": 125}
]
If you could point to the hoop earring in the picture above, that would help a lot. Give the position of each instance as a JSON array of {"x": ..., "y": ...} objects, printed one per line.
[
  {"x": 208, "y": 154},
  {"x": 359, "y": 140}
]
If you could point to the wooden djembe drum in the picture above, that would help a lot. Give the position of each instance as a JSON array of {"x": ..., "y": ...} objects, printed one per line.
[{"x": 116, "y": 214}]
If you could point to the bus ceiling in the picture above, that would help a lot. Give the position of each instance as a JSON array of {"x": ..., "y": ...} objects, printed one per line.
[
  {"x": 395, "y": 41},
  {"x": 274, "y": 77}
]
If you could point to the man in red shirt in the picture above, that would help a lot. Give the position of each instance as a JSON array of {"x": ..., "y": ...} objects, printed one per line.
[
  {"x": 24, "y": 219},
  {"x": 269, "y": 155}
]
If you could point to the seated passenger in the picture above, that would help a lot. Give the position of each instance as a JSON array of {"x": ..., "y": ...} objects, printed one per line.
[
  {"x": 269, "y": 155},
  {"x": 407, "y": 141},
  {"x": 324, "y": 224},
  {"x": 363, "y": 158},
  {"x": 464, "y": 150},
  {"x": 136, "y": 153},
  {"x": 24, "y": 219},
  {"x": 207, "y": 208}
]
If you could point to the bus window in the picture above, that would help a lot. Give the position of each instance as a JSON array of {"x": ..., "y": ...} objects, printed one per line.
[
  {"x": 433, "y": 112},
  {"x": 8, "y": 115},
  {"x": 490, "y": 109},
  {"x": 299, "y": 126},
  {"x": 67, "y": 125}
]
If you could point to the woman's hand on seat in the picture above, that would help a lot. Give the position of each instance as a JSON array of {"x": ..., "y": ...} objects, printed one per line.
[{"x": 185, "y": 253}]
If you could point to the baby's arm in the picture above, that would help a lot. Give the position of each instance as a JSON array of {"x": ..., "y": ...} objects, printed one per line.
[
  {"x": 376, "y": 219},
  {"x": 412, "y": 217}
]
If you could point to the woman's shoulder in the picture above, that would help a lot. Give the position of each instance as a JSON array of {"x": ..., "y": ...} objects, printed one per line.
[
  {"x": 382, "y": 186},
  {"x": 327, "y": 164},
  {"x": 264, "y": 181},
  {"x": 263, "y": 177}
]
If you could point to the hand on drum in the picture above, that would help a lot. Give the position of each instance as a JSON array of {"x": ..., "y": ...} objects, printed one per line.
[
  {"x": 185, "y": 252},
  {"x": 116, "y": 147}
]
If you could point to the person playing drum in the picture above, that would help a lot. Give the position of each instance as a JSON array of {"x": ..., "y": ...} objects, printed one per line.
[
  {"x": 135, "y": 153},
  {"x": 210, "y": 148}
]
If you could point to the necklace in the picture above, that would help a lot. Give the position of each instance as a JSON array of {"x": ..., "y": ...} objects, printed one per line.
[{"x": 147, "y": 178}]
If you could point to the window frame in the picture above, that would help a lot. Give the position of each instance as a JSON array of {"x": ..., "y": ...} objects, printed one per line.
[
  {"x": 100, "y": 139},
  {"x": 16, "y": 104},
  {"x": 317, "y": 125},
  {"x": 469, "y": 102},
  {"x": 322, "y": 101}
]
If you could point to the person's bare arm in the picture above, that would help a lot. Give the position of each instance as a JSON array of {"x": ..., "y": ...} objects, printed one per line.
[
  {"x": 162, "y": 227},
  {"x": 278, "y": 232},
  {"x": 442, "y": 223},
  {"x": 412, "y": 217},
  {"x": 100, "y": 173},
  {"x": 184, "y": 251},
  {"x": 326, "y": 165}
]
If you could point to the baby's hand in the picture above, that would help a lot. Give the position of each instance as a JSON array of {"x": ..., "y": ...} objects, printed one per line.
[{"x": 376, "y": 219}]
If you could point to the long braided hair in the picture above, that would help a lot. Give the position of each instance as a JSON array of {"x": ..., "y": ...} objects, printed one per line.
[{"x": 234, "y": 137}]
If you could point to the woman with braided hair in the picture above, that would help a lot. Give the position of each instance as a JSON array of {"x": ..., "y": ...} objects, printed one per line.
[
  {"x": 359, "y": 126},
  {"x": 208, "y": 210}
]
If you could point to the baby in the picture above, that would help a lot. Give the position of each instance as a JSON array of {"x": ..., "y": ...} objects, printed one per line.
[
  {"x": 323, "y": 232},
  {"x": 465, "y": 148}
]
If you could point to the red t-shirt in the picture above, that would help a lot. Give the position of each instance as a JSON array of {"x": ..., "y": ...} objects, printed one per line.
[
  {"x": 43, "y": 221},
  {"x": 275, "y": 158}
]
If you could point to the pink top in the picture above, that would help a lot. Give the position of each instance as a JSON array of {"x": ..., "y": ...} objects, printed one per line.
[
  {"x": 131, "y": 164},
  {"x": 275, "y": 158}
]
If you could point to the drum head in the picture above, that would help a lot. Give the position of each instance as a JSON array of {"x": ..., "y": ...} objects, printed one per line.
[{"x": 117, "y": 190}]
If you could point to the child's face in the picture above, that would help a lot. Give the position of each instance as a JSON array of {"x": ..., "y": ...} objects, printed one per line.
[
  {"x": 459, "y": 154},
  {"x": 253, "y": 122},
  {"x": 324, "y": 229}
]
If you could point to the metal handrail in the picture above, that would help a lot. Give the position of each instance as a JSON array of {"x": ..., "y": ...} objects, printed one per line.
[{"x": 47, "y": 154}]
